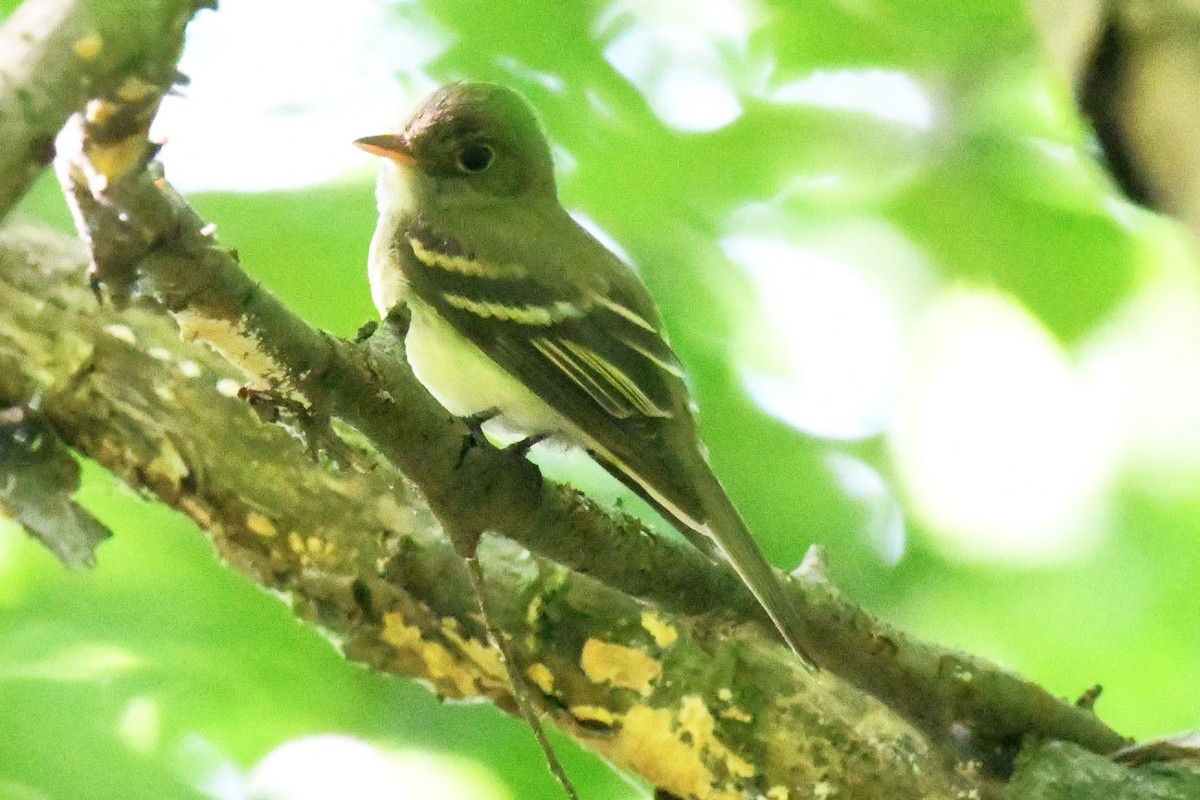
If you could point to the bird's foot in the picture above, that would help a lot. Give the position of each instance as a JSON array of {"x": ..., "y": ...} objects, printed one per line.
[
  {"x": 522, "y": 447},
  {"x": 476, "y": 437}
]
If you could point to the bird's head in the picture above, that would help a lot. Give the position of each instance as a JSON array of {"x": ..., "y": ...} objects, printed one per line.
[{"x": 472, "y": 137}]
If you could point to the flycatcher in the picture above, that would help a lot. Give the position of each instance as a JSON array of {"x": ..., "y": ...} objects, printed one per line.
[{"x": 519, "y": 313}]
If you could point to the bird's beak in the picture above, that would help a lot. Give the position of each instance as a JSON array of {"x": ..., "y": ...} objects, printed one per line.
[{"x": 388, "y": 145}]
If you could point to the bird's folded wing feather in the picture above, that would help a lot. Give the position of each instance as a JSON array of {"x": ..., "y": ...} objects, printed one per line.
[{"x": 592, "y": 349}]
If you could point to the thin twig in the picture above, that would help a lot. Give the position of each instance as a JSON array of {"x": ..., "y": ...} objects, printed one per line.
[{"x": 520, "y": 687}]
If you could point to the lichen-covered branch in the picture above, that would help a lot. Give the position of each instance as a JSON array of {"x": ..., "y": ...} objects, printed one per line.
[
  {"x": 1063, "y": 771},
  {"x": 709, "y": 706},
  {"x": 57, "y": 54},
  {"x": 653, "y": 693},
  {"x": 972, "y": 708}
]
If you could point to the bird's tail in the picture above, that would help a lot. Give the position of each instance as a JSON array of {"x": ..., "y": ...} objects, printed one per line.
[
  {"x": 724, "y": 526},
  {"x": 716, "y": 528}
]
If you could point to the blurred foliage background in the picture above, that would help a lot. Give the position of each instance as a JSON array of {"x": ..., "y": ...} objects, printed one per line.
[{"x": 923, "y": 328}]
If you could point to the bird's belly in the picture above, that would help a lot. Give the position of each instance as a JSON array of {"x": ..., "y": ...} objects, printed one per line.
[{"x": 465, "y": 381}]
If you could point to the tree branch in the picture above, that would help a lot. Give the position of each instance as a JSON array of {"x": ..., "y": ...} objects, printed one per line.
[
  {"x": 57, "y": 54},
  {"x": 762, "y": 725},
  {"x": 709, "y": 706}
]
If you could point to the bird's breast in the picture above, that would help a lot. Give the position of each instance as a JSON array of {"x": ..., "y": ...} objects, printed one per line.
[
  {"x": 384, "y": 271},
  {"x": 396, "y": 198},
  {"x": 466, "y": 381}
]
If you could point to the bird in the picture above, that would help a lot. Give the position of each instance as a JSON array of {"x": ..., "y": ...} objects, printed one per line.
[{"x": 519, "y": 315}]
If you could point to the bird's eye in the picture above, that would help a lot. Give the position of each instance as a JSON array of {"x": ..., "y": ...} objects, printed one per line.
[{"x": 475, "y": 158}]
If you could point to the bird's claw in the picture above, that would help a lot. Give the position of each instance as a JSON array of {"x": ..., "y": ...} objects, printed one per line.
[
  {"x": 476, "y": 437},
  {"x": 522, "y": 447}
]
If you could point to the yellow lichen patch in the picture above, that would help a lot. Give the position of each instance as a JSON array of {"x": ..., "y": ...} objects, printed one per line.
[
  {"x": 312, "y": 550},
  {"x": 259, "y": 525},
  {"x": 135, "y": 90},
  {"x": 678, "y": 750},
  {"x": 664, "y": 634},
  {"x": 238, "y": 346},
  {"x": 593, "y": 715},
  {"x": 738, "y": 766},
  {"x": 479, "y": 652},
  {"x": 533, "y": 611},
  {"x": 88, "y": 48},
  {"x": 732, "y": 712},
  {"x": 400, "y": 634},
  {"x": 619, "y": 666},
  {"x": 114, "y": 160},
  {"x": 320, "y": 548},
  {"x": 448, "y": 674},
  {"x": 778, "y": 792},
  {"x": 649, "y": 744},
  {"x": 694, "y": 718},
  {"x": 540, "y": 676},
  {"x": 735, "y": 714},
  {"x": 698, "y": 722}
]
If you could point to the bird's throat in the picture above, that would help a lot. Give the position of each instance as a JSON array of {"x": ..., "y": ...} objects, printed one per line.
[{"x": 397, "y": 189}]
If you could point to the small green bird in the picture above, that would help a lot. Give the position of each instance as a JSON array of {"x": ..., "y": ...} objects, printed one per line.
[{"x": 519, "y": 312}]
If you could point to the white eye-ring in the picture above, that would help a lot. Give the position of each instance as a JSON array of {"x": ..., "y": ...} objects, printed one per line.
[{"x": 475, "y": 158}]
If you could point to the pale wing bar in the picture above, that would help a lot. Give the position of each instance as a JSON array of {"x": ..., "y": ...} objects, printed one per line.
[{"x": 586, "y": 339}]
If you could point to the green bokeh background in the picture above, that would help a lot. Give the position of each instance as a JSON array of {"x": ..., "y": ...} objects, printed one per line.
[{"x": 230, "y": 675}]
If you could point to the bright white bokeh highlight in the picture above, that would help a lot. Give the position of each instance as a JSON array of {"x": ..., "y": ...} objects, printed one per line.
[
  {"x": 321, "y": 767},
  {"x": 885, "y": 94},
  {"x": 692, "y": 98},
  {"x": 686, "y": 59},
  {"x": 264, "y": 117},
  {"x": 999, "y": 444},
  {"x": 335, "y": 765},
  {"x": 883, "y": 525},
  {"x": 1143, "y": 366},
  {"x": 823, "y": 349}
]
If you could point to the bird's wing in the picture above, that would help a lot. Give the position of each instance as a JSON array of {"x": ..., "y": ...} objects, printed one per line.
[{"x": 591, "y": 347}]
